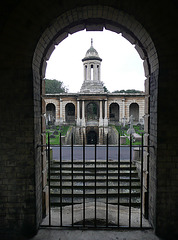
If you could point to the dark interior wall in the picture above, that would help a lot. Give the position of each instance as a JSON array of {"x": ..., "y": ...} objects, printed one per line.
[{"x": 21, "y": 27}]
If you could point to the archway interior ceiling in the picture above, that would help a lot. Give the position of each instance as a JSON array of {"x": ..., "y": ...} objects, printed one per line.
[
  {"x": 96, "y": 25},
  {"x": 111, "y": 19}
]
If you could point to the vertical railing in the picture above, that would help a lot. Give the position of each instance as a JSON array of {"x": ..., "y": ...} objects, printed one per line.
[
  {"x": 141, "y": 188},
  {"x": 72, "y": 176},
  {"x": 60, "y": 158},
  {"x": 107, "y": 178},
  {"x": 118, "y": 155},
  {"x": 108, "y": 171},
  {"x": 49, "y": 179},
  {"x": 130, "y": 182},
  {"x": 95, "y": 185},
  {"x": 83, "y": 180}
]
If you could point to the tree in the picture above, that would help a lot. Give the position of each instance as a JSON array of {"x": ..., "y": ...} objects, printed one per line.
[
  {"x": 105, "y": 89},
  {"x": 54, "y": 86},
  {"x": 127, "y": 91}
]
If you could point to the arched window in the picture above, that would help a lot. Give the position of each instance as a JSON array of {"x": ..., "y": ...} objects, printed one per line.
[
  {"x": 70, "y": 112},
  {"x": 92, "y": 111},
  {"x": 50, "y": 114},
  {"x": 114, "y": 112},
  {"x": 134, "y": 111},
  {"x": 92, "y": 137}
]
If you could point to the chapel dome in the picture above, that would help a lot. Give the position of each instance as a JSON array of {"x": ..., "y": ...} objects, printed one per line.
[{"x": 91, "y": 54}]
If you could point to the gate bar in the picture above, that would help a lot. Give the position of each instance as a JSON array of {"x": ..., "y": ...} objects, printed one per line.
[
  {"x": 49, "y": 180},
  {"x": 60, "y": 153},
  {"x": 107, "y": 181},
  {"x": 141, "y": 190},
  {"x": 72, "y": 161},
  {"x": 83, "y": 180},
  {"x": 95, "y": 185},
  {"x": 130, "y": 181},
  {"x": 118, "y": 214}
]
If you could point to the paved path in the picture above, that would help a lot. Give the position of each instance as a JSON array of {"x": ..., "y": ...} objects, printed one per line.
[{"x": 89, "y": 153}]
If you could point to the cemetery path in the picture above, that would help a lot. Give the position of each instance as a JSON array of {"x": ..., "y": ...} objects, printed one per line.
[{"x": 89, "y": 153}]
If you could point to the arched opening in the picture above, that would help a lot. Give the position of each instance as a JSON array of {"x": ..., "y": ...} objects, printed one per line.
[
  {"x": 136, "y": 35},
  {"x": 70, "y": 112},
  {"x": 134, "y": 111},
  {"x": 114, "y": 112},
  {"x": 92, "y": 137},
  {"x": 50, "y": 114},
  {"x": 92, "y": 111}
]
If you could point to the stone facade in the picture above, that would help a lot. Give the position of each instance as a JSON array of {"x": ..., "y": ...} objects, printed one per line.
[
  {"x": 107, "y": 113},
  {"x": 92, "y": 110}
]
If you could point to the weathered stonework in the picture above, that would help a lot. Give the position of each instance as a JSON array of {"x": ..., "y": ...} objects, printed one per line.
[{"x": 112, "y": 108}]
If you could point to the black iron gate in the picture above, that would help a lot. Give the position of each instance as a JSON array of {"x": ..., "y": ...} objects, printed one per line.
[{"x": 95, "y": 193}]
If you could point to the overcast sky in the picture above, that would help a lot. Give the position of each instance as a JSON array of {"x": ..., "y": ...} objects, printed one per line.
[{"x": 121, "y": 66}]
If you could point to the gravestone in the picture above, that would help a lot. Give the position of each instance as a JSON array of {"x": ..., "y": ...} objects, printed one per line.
[
  {"x": 131, "y": 130},
  {"x": 124, "y": 121},
  {"x": 52, "y": 136},
  {"x": 55, "y": 132}
]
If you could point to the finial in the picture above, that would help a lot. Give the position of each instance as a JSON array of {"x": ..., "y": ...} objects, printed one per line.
[{"x": 91, "y": 42}]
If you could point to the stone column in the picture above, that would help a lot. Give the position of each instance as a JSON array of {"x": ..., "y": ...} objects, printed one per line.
[
  {"x": 88, "y": 72},
  {"x": 84, "y": 72},
  {"x": 99, "y": 69},
  {"x": 78, "y": 113},
  {"x": 101, "y": 113},
  {"x": 123, "y": 109},
  {"x": 61, "y": 118},
  {"x": 83, "y": 113},
  {"x": 95, "y": 73},
  {"x": 106, "y": 113}
]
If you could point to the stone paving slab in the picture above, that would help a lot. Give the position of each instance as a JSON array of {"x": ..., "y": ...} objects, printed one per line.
[
  {"x": 101, "y": 214},
  {"x": 49, "y": 234}
]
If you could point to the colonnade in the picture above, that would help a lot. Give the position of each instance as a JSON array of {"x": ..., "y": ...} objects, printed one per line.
[
  {"x": 81, "y": 120},
  {"x": 125, "y": 109}
]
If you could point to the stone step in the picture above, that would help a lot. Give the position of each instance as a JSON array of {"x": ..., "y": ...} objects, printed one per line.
[
  {"x": 57, "y": 204},
  {"x": 124, "y": 201},
  {"x": 92, "y": 191},
  {"x": 87, "y": 174},
  {"x": 93, "y": 186},
  {"x": 84, "y": 185},
  {"x": 92, "y": 195},
  {"x": 92, "y": 162},
  {"x": 89, "y": 168},
  {"x": 79, "y": 179}
]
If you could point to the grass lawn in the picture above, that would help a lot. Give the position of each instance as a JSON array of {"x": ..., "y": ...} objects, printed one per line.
[{"x": 56, "y": 140}]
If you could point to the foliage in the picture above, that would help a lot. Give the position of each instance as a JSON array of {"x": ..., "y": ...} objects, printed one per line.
[
  {"x": 127, "y": 91},
  {"x": 54, "y": 86},
  {"x": 105, "y": 89}
]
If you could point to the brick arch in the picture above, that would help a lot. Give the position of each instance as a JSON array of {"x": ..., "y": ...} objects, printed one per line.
[
  {"x": 95, "y": 18},
  {"x": 70, "y": 112},
  {"x": 114, "y": 111},
  {"x": 50, "y": 113},
  {"x": 134, "y": 109}
]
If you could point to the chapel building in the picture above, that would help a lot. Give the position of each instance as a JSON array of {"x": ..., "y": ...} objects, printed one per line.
[{"x": 92, "y": 111}]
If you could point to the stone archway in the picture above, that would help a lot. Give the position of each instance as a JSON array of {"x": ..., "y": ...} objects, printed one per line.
[
  {"x": 96, "y": 18},
  {"x": 50, "y": 114},
  {"x": 70, "y": 113},
  {"x": 114, "y": 112},
  {"x": 92, "y": 111},
  {"x": 92, "y": 137},
  {"x": 134, "y": 111}
]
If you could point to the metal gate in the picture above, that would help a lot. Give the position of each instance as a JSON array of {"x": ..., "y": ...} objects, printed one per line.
[{"x": 95, "y": 193}]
